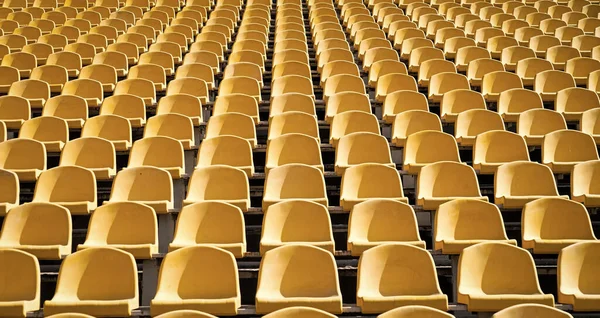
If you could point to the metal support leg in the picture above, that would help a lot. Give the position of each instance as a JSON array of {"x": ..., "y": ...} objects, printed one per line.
[
  {"x": 190, "y": 161},
  {"x": 166, "y": 231},
  {"x": 197, "y": 135},
  {"x": 178, "y": 193},
  {"x": 454, "y": 259},
  {"x": 150, "y": 280}
]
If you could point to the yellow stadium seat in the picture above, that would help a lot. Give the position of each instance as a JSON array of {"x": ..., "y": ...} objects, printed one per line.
[
  {"x": 409, "y": 122},
  {"x": 90, "y": 90},
  {"x": 22, "y": 271},
  {"x": 118, "y": 60},
  {"x": 152, "y": 72},
  {"x": 293, "y": 148},
  {"x": 219, "y": 292},
  {"x": 24, "y": 62},
  {"x": 560, "y": 54},
  {"x": 352, "y": 121},
  {"x": 219, "y": 183},
  {"x": 128, "y": 106},
  {"x": 444, "y": 181},
  {"x": 235, "y": 124},
  {"x": 512, "y": 102},
  {"x": 41, "y": 51},
  {"x": 362, "y": 147},
  {"x": 240, "y": 85},
  {"x": 343, "y": 83},
  {"x": 581, "y": 67},
  {"x": 346, "y": 101},
  {"x": 336, "y": 68},
  {"x": 105, "y": 74},
  {"x": 477, "y": 69},
  {"x": 29, "y": 32},
  {"x": 276, "y": 231},
  {"x": 25, "y": 157},
  {"x": 298, "y": 312},
  {"x": 294, "y": 181},
  {"x": 370, "y": 180},
  {"x": 138, "y": 87},
  {"x": 59, "y": 18},
  {"x": 531, "y": 310},
  {"x": 378, "y": 221},
  {"x": 183, "y": 104},
  {"x": 566, "y": 34},
  {"x": 589, "y": 123},
  {"x": 401, "y": 101},
  {"x": 576, "y": 283},
  {"x": 393, "y": 82},
  {"x": 199, "y": 71},
  {"x": 95, "y": 154},
  {"x": 384, "y": 67},
  {"x": 148, "y": 185},
  {"x": 441, "y": 83},
  {"x": 51, "y": 131},
  {"x": 402, "y": 264},
  {"x": 14, "y": 111},
  {"x": 533, "y": 124},
  {"x": 57, "y": 41},
  {"x": 226, "y": 150},
  {"x": 583, "y": 183},
  {"x": 113, "y": 128},
  {"x": 71, "y": 108},
  {"x": 466, "y": 54},
  {"x": 415, "y": 311},
  {"x": 139, "y": 40},
  {"x": 293, "y": 122},
  {"x": 292, "y": 84},
  {"x": 497, "y": 82},
  {"x": 510, "y": 268},
  {"x": 100, "y": 282},
  {"x": 548, "y": 83},
  {"x": 562, "y": 149},
  {"x": 8, "y": 75},
  {"x": 54, "y": 75},
  {"x": 127, "y": 226},
  {"x": 586, "y": 44},
  {"x": 535, "y": 181},
  {"x": 462, "y": 223},
  {"x": 14, "y": 42},
  {"x": 457, "y": 101},
  {"x": 333, "y": 54},
  {"x": 9, "y": 198},
  {"x": 211, "y": 223},
  {"x": 292, "y": 102},
  {"x": 527, "y": 69},
  {"x": 494, "y": 148},
  {"x": 429, "y": 146},
  {"x": 291, "y": 68},
  {"x": 471, "y": 123},
  {"x": 452, "y": 45},
  {"x": 171, "y": 125},
  {"x": 315, "y": 282},
  {"x": 85, "y": 50},
  {"x": 551, "y": 224},
  {"x": 149, "y": 151},
  {"x": 69, "y": 186}
]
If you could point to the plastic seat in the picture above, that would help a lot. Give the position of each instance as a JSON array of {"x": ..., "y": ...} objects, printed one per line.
[
  {"x": 73, "y": 109},
  {"x": 494, "y": 148},
  {"x": 512, "y": 102},
  {"x": 299, "y": 312},
  {"x": 527, "y": 69},
  {"x": 293, "y": 122},
  {"x": 459, "y": 100},
  {"x": 278, "y": 232},
  {"x": 535, "y": 123},
  {"x": 292, "y": 102},
  {"x": 401, "y": 264},
  {"x": 127, "y": 106},
  {"x": 452, "y": 45},
  {"x": 95, "y": 154},
  {"x": 441, "y": 182},
  {"x": 462, "y": 223},
  {"x": 544, "y": 225},
  {"x": 118, "y": 60},
  {"x": 69, "y": 31},
  {"x": 375, "y": 222},
  {"x": 292, "y": 68},
  {"x": 589, "y": 123},
  {"x": 471, "y": 123},
  {"x": 138, "y": 87},
  {"x": 465, "y": 55},
  {"x": 337, "y": 68},
  {"x": 495, "y": 83},
  {"x": 57, "y": 41},
  {"x": 148, "y": 185},
  {"x": 566, "y": 34},
  {"x": 41, "y": 51},
  {"x": 86, "y": 52},
  {"x": 534, "y": 181},
  {"x": 531, "y": 310},
  {"x": 219, "y": 292},
  {"x": 14, "y": 111},
  {"x": 426, "y": 147},
  {"x": 148, "y": 152},
  {"x": 309, "y": 265},
  {"x": 352, "y": 121},
  {"x": 90, "y": 90},
  {"x": 585, "y": 44},
  {"x": 211, "y": 223},
  {"x": 293, "y": 148},
  {"x": 105, "y": 74},
  {"x": 581, "y": 67},
  {"x": 29, "y": 32},
  {"x": 151, "y": 72},
  {"x": 8, "y": 75},
  {"x": 232, "y": 124},
  {"x": 572, "y": 102},
  {"x": 441, "y": 83},
  {"x": 69, "y": 186},
  {"x": 115, "y": 129},
  {"x": 343, "y": 83},
  {"x": 548, "y": 83},
  {"x": 384, "y": 67},
  {"x": 102, "y": 281},
  {"x": 245, "y": 69},
  {"x": 409, "y": 122},
  {"x": 357, "y": 148},
  {"x": 22, "y": 61},
  {"x": 511, "y": 268},
  {"x": 54, "y": 76},
  {"x": 310, "y": 187},
  {"x": 14, "y": 42},
  {"x": 240, "y": 85},
  {"x": 560, "y": 54},
  {"x": 22, "y": 271},
  {"x": 111, "y": 224},
  {"x": 231, "y": 186},
  {"x": 51, "y": 131},
  {"x": 333, "y": 54},
  {"x": 9, "y": 199},
  {"x": 393, "y": 82},
  {"x": 139, "y": 40},
  {"x": 583, "y": 183},
  {"x": 25, "y": 157},
  {"x": 367, "y": 181},
  {"x": 414, "y": 311},
  {"x": 480, "y": 67},
  {"x": 573, "y": 270},
  {"x": 401, "y": 101},
  {"x": 183, "y": 104},
  {"x": 293, "y": 84}
]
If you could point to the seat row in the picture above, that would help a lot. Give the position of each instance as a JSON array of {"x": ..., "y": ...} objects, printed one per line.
[{"x": 206, "y": 279}]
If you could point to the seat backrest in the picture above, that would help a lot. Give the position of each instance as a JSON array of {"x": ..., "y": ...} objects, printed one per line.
[
  {"x": 66, "y": 184},
  {"x": 523, "y": 178},
  {"x": 447, "y": 179}
]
